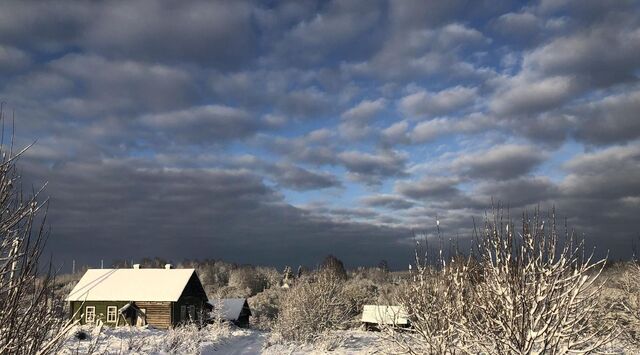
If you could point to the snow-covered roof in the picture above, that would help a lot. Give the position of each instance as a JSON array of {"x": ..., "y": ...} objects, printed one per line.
[
  {"x": 230, "y": 308},
  {"x": 390, "y": 315},
  {"x": 160, "y": 285}
]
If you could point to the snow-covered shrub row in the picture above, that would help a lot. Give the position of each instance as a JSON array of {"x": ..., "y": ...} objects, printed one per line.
[{"x": 187, "y": 339}]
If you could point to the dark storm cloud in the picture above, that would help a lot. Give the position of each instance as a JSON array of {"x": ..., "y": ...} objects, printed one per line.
[{"x": 139, "y": 208}]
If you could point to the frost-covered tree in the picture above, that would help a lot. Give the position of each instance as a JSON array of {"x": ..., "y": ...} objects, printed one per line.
[{"x": 334, "y": 266}]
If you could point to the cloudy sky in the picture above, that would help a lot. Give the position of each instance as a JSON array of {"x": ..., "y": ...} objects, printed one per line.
[{"x": 276, "y": 132}]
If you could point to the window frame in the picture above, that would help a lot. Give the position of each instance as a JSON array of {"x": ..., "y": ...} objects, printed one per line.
[
  {"x": 115, "y": 314},
  {"x": 86, "y": 314}
]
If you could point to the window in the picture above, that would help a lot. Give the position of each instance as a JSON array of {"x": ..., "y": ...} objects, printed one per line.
[
  {"x": 183, "y": 313},
  {"x": 112, "y": 312},
  {"x": 89, "y": 314}
]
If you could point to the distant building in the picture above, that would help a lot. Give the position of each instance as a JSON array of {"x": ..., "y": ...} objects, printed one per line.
[
  {"x": 375, "y": 316},
  {"x": 234, "y": 310},
  {"x": 162, "y": 298}
]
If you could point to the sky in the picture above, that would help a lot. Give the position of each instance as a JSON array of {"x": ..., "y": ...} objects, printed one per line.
[{"x": 277, "y": 132}]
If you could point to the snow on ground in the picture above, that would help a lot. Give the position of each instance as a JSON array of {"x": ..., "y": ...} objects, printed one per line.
[{"x": 212, "y": 341}]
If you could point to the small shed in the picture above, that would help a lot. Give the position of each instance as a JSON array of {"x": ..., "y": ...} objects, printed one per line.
[
  {"x": 162, "y": 298},
  {"x": 234, "y": 310},
  {"x": 376, "y": 315}
]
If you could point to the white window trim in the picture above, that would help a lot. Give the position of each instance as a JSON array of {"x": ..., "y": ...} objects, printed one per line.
[
  {"x": 114, "y": 314},
  {"x": 86, "y": 314}
]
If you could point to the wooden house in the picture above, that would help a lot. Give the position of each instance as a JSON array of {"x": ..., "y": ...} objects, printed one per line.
[
  {"x": 234, "y": 310},
  {"x": 161, "y": 298}
]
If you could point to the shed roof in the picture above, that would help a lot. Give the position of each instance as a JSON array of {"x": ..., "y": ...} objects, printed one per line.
[
  {"x": 389, "y": 315},
  {"x": 160, "y": 285},
  {"x": 230, "y": 308}
]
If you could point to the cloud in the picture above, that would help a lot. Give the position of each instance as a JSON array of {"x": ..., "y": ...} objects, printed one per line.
[
  {"x": 441, "y": 127},
  {"x": 12, "y": 58},
  {"x": 373, "y": 168},
  {"x": 364, "y": 110},
  {"x": 305, "y": 103},
  {"x": 430, "y": 187},
  {"x": 520, "y": 192},
  {"x": 300, "y": 179},
  {"x": 423, "y": 103},
  {"x": 109, "y": 85},
  {"x": 609, "y": 174},
  {"x": 191, "y": 213},
  {"x": 204, "y": 124},
  {"x": 356, "y": 120},
  {"x": 501, "y": 162},
  {"x": 392, "y": 202},
  {"x": 610, "y": 120},
  {"x": 524, "y": 95}
]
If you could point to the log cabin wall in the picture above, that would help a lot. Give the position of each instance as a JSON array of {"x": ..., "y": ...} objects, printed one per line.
[{"x": 158, "y": 313}]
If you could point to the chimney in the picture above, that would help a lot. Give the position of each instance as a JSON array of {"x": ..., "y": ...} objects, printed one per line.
[
  {"x": 168, "y": 266},
  {"x": 136, "y": 266}
]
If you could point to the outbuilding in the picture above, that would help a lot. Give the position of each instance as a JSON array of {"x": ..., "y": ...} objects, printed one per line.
[
  {"x": 376, "y": 316},
  {"x": 161, "y": 298},
  {"x": 234, "y": 310}
]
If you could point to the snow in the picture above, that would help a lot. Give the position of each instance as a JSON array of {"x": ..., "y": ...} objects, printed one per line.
[
  {"x": 215, "y": 341},
  {"x": 160, "y": 285}
]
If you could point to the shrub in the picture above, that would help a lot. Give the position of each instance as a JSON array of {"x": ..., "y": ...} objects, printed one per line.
[
  {"x": 529, "y": 292},
  {"x": 312, "y": 307},
  {"x": 265, "y": 307}
]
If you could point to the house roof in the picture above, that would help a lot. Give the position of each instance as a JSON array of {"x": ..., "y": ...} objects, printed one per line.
[
  {"x": 160, "y": 285},
  {"x": 230, "y": 308}
]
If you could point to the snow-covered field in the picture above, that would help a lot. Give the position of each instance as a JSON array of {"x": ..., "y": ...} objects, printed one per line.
[{"x": 213, "y": 340}]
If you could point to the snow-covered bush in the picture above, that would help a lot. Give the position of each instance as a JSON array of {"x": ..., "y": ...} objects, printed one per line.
[
  {"x": 265, "y": 307},
  {"x": 538, "y": 293},
  {"x": 313, "y": 306},
  {"x": 628, "y": 305},
  {"x": 436, "y": 298},
  {"x": 525, "y": 292}
]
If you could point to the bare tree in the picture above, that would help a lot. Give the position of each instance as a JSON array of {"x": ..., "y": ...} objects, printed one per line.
[{"x": 30, "y": 319}]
